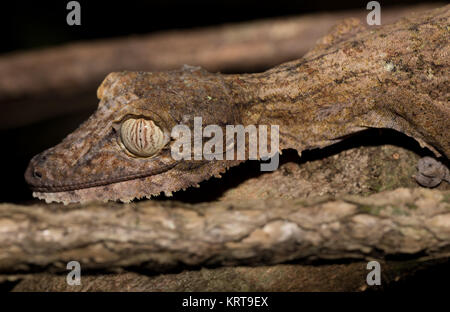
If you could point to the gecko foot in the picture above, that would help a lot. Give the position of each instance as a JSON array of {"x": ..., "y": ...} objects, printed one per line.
[{"x": 431, "y": 172}]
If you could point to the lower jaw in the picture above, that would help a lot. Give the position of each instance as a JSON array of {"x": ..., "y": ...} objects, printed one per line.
[{"x": 147, "y": 187}]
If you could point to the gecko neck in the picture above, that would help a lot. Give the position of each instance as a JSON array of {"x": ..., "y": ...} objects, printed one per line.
[
  {"x": 326, "y": 96},
  {"x": 292, "y": 97}
]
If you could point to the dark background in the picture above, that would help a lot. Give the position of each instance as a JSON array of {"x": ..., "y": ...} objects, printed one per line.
[{"x": 33, "y": 24}]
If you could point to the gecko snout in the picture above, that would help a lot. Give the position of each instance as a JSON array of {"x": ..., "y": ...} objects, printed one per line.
[{"x": 34, "y": 174}]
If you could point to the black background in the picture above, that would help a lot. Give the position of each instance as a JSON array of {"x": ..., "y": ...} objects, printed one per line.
[{"x": 33, "y": 24}]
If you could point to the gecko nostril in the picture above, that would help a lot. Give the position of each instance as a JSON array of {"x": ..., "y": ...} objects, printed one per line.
[{"x": 37, "y": 174}]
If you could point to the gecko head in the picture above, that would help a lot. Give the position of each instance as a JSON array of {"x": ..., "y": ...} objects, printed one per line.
[{"x": 123, "y": 150}]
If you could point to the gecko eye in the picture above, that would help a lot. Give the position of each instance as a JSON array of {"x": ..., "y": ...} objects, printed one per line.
[{"x": 141, "y": 137}]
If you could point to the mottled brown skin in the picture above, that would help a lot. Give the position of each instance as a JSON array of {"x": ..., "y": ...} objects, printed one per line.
[{"x": 393, "y": 77}]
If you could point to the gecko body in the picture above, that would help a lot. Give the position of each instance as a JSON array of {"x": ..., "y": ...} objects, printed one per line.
[{"x": 392, "y": 77}]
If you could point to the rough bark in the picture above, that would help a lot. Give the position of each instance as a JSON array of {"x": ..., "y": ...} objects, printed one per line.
[
  {"x": 161, "y": 235},
  {"x": 282, "y": 277},
  {"x": 38, "y": 85}
]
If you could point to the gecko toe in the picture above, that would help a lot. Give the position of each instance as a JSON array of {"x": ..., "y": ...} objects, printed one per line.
[{"x": 431, "y": 172}]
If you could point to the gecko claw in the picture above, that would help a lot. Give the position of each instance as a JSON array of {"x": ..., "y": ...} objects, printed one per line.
[{"x": 431, "y": 172}]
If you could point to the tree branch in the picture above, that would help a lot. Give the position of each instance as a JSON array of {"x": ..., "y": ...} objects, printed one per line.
[{"x": 161, "y": 235}]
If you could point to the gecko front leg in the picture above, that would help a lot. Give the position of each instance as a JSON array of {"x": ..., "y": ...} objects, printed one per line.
[{"x": 431, "y": 172}]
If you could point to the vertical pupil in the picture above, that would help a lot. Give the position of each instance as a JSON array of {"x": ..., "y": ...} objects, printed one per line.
[
  {"x": 141, "y": 137},
  {"x": 140, "y": 134}
]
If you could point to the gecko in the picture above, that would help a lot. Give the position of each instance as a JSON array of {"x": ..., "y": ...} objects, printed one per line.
[{"x": 394, "y": 76}]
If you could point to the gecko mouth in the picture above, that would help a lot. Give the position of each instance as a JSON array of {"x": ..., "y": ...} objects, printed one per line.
[{"x": 38, "y": 183}]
